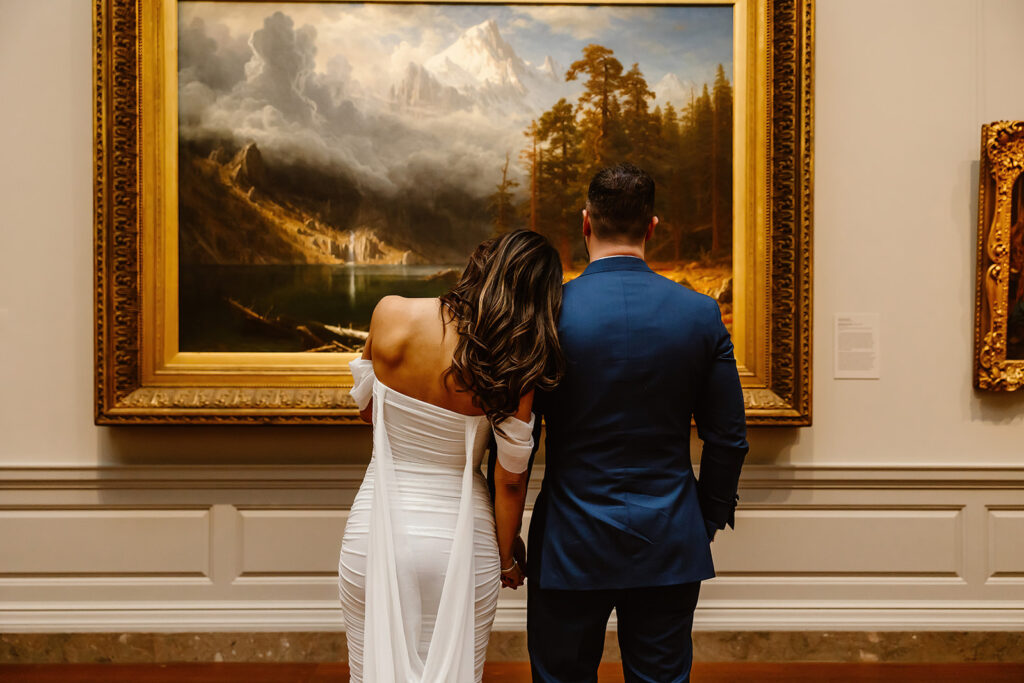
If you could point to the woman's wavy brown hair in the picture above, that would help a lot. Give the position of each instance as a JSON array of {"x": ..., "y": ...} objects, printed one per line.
[{"x": 506, "y": 307}]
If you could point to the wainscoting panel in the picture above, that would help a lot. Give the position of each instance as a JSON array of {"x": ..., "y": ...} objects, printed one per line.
[
  {"x": 1006, "y": 544},
  {"x": 128, "y": 542},
  {"x": 255, "y": 548},
  {"x": 290, "y": 543},
  {"x": 848, "y": 542}
]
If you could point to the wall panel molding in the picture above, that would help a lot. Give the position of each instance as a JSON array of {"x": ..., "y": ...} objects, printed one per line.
[
  {"x": 869, "y": 541},
  {"x": 815, "y": 548},
  {"x": 1006, "y": 544},
  {"x": 66, "y": 542},
  {"x": 270, "y": 548}
]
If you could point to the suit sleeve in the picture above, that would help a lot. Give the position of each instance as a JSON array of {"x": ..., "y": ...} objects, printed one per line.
[
  {"x": 492, "y": 461},
  {"x": 722, "y": 426},
  {"x": 538, "y": 411}
]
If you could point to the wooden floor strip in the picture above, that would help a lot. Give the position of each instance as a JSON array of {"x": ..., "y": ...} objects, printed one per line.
[{"x": 512, "y": 672}]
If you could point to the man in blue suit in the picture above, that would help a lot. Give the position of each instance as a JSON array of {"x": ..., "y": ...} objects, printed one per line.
[{"x": 621, "y": 521}]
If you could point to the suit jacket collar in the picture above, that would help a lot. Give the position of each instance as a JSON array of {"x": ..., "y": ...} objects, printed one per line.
[{"x": 611, "y": 263}]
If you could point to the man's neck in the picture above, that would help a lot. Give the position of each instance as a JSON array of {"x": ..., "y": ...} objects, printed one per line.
[{"x": 606, "y": 249}]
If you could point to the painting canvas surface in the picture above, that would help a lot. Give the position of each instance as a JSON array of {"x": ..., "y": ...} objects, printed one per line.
[
  {"x": 1015, "y": 304},
  {"x": 333, "y": 153}
]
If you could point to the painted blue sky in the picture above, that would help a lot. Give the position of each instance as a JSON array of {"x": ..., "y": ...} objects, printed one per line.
[
  {"x": 688, "y": 41},
  {"x": 378, "y": 40}
]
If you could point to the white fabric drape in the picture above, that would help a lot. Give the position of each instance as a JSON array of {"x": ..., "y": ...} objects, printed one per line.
[
  {"x": 392, "y": 619},
  {"x": 362, "y": 381},
  {"x": 422, "y": 488},
  {"x": 516, "y": 445}
]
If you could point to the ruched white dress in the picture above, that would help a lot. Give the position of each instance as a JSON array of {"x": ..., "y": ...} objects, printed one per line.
[{"x": 418, "y": 573}]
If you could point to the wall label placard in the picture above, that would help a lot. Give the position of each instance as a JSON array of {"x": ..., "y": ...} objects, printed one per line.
[{"x": 857, "y": 354}]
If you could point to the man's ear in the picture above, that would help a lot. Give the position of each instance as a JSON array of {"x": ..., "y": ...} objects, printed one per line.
[
  {"x": 650, "y": 229},
  {"x": 587, "y": 227}
]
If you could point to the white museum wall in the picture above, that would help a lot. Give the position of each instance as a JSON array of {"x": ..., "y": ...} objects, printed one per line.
[{"x": 900, "y": 507}]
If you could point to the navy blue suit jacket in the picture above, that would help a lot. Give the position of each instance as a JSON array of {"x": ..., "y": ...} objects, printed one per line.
[{"x": 619, "y": 506}]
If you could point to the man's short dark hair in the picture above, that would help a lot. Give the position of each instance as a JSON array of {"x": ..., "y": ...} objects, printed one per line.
[{"x": 620, "y": 202}]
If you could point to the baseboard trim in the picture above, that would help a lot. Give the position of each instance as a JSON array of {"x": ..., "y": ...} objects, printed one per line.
[
  {"x": 876, "y": 476},
  {"x": 860, "y": 619},
  {"x": 322, "y": 618}
]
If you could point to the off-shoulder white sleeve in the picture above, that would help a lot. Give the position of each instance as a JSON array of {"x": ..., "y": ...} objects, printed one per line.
[
  {"x": 516, "y": 445},
  {"x": 362, "y": 381}
]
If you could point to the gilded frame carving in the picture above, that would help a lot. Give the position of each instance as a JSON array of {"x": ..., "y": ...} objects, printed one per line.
[
  {"x": 141, "y": 380},
  {"x": 1001, "y": 166}
]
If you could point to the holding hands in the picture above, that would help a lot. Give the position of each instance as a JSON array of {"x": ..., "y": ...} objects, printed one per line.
[{"x": 513, "y": 571}]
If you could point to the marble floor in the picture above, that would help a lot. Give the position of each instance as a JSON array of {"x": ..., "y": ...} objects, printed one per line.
[
  {"x": 510, "y": 646},
  {"x": 513, "y": 672}
]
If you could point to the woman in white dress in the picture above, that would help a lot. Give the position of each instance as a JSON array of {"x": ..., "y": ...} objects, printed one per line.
[{"x": 424, "y": 551}]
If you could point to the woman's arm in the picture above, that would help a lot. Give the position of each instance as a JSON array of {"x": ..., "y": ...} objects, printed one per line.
[
  {"x": 380, "y": 322},
  {"x": 367, "y": 413},
  {"x": 509, "y": 501}
]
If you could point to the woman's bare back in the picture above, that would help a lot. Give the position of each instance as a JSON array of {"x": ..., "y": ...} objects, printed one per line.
[{"x": 411, "y": 350}]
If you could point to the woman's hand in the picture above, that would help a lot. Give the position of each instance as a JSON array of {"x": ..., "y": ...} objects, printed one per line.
[{"x": 515, "y": 576}]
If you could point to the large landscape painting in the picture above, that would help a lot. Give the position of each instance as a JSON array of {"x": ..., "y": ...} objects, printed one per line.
[{"x": 332, "y": 153}]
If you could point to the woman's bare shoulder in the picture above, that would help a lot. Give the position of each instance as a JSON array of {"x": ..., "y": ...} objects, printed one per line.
[
  {"x": 396, "y": 319},
  {"x": 394, "y": 308},
  {"x": 384, "y": 309}
]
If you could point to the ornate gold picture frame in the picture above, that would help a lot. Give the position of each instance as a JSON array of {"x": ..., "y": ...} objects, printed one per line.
[
  {"x": 142, "y": 376},
  {"x": 999, "y": 309}
]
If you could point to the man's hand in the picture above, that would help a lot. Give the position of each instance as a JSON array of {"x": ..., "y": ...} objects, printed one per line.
[{"x": 519, "y": 552}]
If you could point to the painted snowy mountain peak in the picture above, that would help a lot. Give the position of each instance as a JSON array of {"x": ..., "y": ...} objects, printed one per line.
[{"x": 480, "y": 57}]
